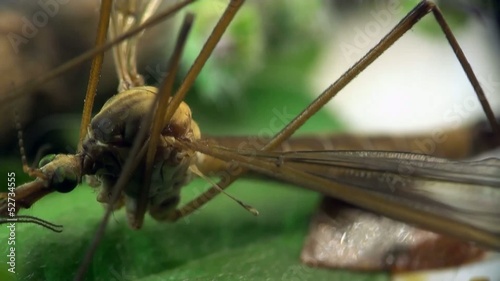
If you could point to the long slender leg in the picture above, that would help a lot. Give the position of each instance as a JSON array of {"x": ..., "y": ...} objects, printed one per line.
[
  {"x": 137, "y": 152},
  {"x": 205, "y": 53},
  {"x": 467, "y": 68},
  {"x": 414, "y": 16},
  {"x": 163, "y": 96},
  {"x": 95, "y": 70}
]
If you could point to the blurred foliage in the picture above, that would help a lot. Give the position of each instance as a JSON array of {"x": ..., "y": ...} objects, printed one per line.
[
  {"x": 236, "y": 58},
  {"x": 261, "y": 31}
]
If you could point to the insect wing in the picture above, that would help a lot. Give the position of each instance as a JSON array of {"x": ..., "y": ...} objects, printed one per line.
[
  {"x": 355, "y": 186},
  {"x": 467, "y": 191}
]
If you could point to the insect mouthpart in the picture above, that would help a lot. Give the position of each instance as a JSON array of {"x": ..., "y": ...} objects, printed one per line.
[
  {"x": 62, "y": 171},
  {"x": 46, "y": 160}
]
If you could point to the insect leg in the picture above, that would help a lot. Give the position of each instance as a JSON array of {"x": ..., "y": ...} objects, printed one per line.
[
  {"x": 137, "y": 151},
  {"x": 205, "y": 53},
  {"x": 467, "y": 68},
  {"x": 414, "y": 16},
  {"x": 95, "y": 70},
  {"x": 32, "y": 172},
  {"x": 158, "y": 125}
]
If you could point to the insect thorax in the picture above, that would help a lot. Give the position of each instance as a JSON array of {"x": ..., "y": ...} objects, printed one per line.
[{"x": 111, "y": 134}]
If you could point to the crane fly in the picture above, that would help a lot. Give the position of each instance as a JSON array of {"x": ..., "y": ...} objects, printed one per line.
[{"x": 372, "y": 180}]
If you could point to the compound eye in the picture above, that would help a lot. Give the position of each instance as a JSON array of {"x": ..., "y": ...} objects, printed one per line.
[
  {"x": 64, "y": 181},
  {"x": 46, "y": 160}
]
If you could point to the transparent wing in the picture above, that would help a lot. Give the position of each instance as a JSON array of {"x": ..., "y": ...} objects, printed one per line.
[
  {"x": 126, "y": 15},
  {"x": 458, "y": 198},
  {"x": 468, "y": 191}
]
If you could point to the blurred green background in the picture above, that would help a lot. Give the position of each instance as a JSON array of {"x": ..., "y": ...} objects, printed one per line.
[{"x": 262, "y": 65}]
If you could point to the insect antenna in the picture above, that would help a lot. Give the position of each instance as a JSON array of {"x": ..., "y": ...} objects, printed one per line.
[
  {"x": 247, "y": 207},
  {"x": 34, "y": 220},
  {"x": 32, "y": 172}
]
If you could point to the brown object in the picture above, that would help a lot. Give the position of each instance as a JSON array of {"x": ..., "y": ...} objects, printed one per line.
[{"x": 341, "y": 236}]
